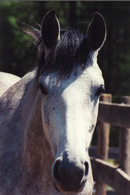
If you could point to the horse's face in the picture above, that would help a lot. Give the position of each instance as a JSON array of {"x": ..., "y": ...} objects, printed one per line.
[{"x": 69, "y": 109}]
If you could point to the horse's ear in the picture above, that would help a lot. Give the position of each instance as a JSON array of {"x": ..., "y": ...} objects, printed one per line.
[
  {"x": 50, "y": 29},
  {"x": 96, "y": 32}
]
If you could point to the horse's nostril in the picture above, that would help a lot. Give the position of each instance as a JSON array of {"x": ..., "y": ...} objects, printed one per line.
[
  {"x": 56, "y": 172},
  {"x": 86, "y": 168}
]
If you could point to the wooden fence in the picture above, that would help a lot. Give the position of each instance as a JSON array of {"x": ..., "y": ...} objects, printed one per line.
[{"x": 118, "y": 177}]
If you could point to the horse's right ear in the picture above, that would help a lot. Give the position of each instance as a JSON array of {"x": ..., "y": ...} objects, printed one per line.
[{"x": 50, "y": 29}]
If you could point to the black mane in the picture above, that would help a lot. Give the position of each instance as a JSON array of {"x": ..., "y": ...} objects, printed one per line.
[{"x": 71, "y": 50}]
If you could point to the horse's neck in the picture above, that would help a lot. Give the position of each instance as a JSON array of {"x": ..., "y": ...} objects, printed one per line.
[
  {"x": 37, "y": 150},
  {"x": 37, "y": 154},
  {"x": 23, "y": 144}
]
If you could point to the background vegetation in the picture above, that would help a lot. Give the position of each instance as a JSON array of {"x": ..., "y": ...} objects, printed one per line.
[{"x": 18, "y": 55}]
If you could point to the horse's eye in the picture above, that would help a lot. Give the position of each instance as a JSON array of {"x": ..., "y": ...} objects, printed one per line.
[
  {"x": 100, "y": 90},
  {"x": 43, "y": 89}
]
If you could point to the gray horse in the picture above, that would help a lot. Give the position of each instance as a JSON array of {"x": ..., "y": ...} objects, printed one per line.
[{"x": 47, "y": 119}]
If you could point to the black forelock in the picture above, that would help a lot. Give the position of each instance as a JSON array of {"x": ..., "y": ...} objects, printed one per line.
[{"x": 71, "y": 50}]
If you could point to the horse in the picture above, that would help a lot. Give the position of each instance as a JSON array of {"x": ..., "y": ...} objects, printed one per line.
[
  {"x": 48, "y": 117},
  {"x": 6, "y": 81}
]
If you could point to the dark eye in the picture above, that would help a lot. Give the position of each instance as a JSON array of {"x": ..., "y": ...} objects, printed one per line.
[
  {"x": 100, "y": 90},
  {"x": 43, "y": 89}
]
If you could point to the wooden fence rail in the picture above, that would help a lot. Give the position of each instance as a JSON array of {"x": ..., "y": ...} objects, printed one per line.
[
  {"x": 111, "y": 175},
  {"x": 118, "y": 115},
  {"x": 115, "y": 114}
]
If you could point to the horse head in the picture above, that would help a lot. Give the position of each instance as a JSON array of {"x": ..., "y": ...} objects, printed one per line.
[{"x": 71, "y": 83}]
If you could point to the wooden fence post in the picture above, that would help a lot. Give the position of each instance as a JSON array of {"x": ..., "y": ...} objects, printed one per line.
[
  {"x": 103, "y": 131},
  {"x": 124, "y": 144}
]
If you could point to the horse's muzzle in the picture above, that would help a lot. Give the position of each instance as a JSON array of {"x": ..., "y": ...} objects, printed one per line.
[{"x": 70, "y": 177}]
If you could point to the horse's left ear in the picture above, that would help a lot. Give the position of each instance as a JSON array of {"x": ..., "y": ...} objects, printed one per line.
[
  {"x": 96, "y": 32},
  {"x": 50, "y": 29}
]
